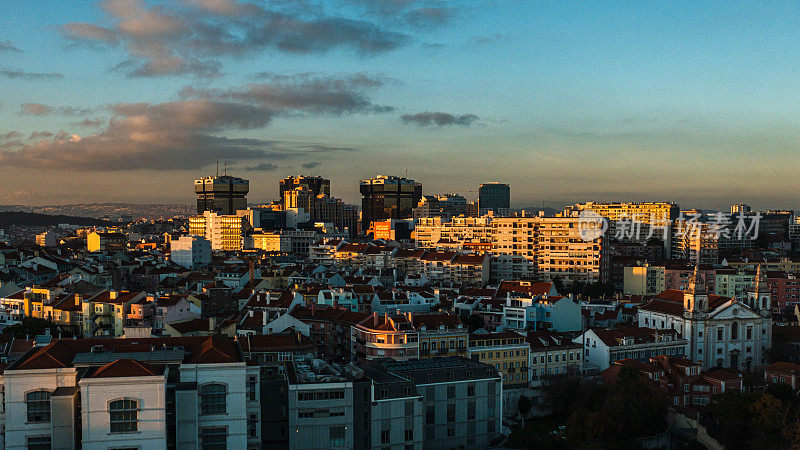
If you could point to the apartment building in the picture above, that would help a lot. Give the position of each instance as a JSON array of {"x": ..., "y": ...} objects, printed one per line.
[
  {"x": 603, "y": 347},
  {"x": 384, "y": 335},
  {"x": 645, "y": 279},
  {"x": 225, "y": 232},
  {"x": 440, "y": 334},
  {"x": 462, "y": 399},
  {"x": 192, "y": 252},
  {"x": 436, "y": 232},
  {"x": 152, "y": 393},
  {"x": 507, "y": 351},
  {"x": 552, "y": 354},
  {"x": 105, "y": 242}
]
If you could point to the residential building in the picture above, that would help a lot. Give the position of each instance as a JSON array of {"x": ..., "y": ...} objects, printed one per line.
[
  {"x": 462, "y": 399},
  {"x": 646, "y": 279},
  {"x": 225, "y": 232},
  {"x": 602, "y": 347},
  {"x": 384, "y": 335},
  {"x": 153, "y": 393},
  {"x": 440, "y": 334},
  {"x": 192, "y": 252},
  {"x": 783, "y": 373},
  {"x": 284, "y": 241},
  {"x": 507, "y": 351},
  {"x": 105, "y": 242},
  {"x": 47, "y": 239},
  {"x": 553, "y": 354}
]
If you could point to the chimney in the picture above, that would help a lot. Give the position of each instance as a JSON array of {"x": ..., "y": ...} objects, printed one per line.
[
  {"x": 212, "y": 323},
  {"x": 112, "y": 295}
]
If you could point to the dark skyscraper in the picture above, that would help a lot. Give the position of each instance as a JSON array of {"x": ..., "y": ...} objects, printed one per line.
[
  {"x": 222, "y": 194},
  {"x": 316, "y": 185},
  {"x": 388, "y": 197},
  {"x": 494, "y": 197}
]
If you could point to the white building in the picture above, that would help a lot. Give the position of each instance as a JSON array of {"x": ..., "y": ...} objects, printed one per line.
[
  {"x": 603, "y": 347},
  {"x": 722, "y": 331},
  {"x": 139, "y": 393},
  {"x": 191, "y": 252}
]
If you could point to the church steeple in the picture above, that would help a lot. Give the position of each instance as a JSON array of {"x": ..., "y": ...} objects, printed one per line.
[
  {"x": 759, "y": 297},
  {"x": 695, "y": 298}
]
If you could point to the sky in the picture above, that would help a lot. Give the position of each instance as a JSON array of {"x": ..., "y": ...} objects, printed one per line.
[{"x": 130, "y": 100}]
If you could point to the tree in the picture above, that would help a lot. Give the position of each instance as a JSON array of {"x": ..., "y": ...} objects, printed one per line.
[{"x": 523, "y": 408}]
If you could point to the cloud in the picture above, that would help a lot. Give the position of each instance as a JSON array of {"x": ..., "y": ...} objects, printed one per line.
[
  {"x": 262, "y": 167},
  {"x": 35, "y": 109},
  {"x": 30, "y": 76},
  {"x": 302, "y": 93},
  {"x": 39, "y": 135},
  {"x": 414, "y": 13},
  {"x": 90, "y": 123},
  {"x": 440, "y": 119},
  {"x": 11, "y": 135},
  {"x": 7, "y": 46},
  {"x": 189, "y": 37},
  {"x": 311, "y": 165},
  {"x": 39, "y": 109}
]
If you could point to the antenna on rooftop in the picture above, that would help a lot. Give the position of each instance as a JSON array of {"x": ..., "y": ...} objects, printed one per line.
[{"x": 217, "y": 168}]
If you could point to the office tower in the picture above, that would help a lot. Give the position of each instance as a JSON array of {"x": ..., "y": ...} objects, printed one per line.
[
  {"x": 388, "y": 197},
  {"x": 495, "y": 197},
  {"x": 741, "y": 208},
  {"x": 221, "y": 194},
  {"x": 445, "y": 206},
  {"x": 225, "y": 232},
  {"x": 315, "y": 185}
]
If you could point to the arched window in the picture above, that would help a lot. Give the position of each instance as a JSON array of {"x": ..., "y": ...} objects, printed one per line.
[
  {"x": 38, "y": 404},
  {"x": 124, "y": 415},
  {"x": 213, "y": 398},
  {"x": 735, "y": 330}
]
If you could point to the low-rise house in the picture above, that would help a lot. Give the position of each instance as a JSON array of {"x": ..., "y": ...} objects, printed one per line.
[
  {"x": 507, "y": 351},
  {"x": 603, "y": 347}
]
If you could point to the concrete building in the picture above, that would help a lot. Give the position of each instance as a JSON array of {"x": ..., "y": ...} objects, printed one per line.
[
  {"x": 552, "y": 354},
  {"x": 507, "y": 351},
  {"x": 456, "y": 233},
  {"x": 223, "y": 195},
  {"x": 462, "y": 399},
  {"x": 47, "y": 239},
  {"x": 192, "y": 252},
  {"x": 225, "y": 232},
  {"x": 153, "y": 393},
  {"x": 603, "y": 347},
  {"x": 284, "y": 241},
  {"x": 105, "y": 242},
  {"x": 445, "y": 206},
  {"x": 643, "y": 280},
  {"x": 494, "y": 197},
  {"x": 315, "y": 185},
  {"x": 388, "y": 197},
  {"x": 383, "y": 335}
]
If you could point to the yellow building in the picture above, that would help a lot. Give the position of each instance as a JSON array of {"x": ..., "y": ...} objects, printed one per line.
[
  {"x": 440, "y": 335},
  {"x": 225, "y": 232},
  {"x": 105, "y": 242},
  {"x": 507, "y": 351}
]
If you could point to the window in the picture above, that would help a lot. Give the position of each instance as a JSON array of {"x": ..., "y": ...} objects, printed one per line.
[
  {"x": 451, "y": 412},
  {"x": 38, "y": 403},
  {"x": 409, "y": 408},
  {"x": 451, "y": 391},
  {"x": 471, "y": 410},
  {"x": 213, "y": 438},
  {"x": 430, "y": 414},
  {"x": 123, "y": 415},
  {"x": 213, "y": 399},
  {"x": 385, "y": 436},
  {"x": 39, "y": 443},
  {"x": 471, "y": 390},
  {"x": 252, "y": 383},
  {"x": 252, "y": 425},
  {"x": 410, "y": 435},
  {"x": 336, "y": 437},
  {"x": 719, "y": 333},
  {"x": 451, "y": 431},
  {"x": 735, "y": 330}
]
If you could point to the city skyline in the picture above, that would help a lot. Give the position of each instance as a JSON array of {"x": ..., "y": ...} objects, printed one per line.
[{"x": 130, "y": 101}]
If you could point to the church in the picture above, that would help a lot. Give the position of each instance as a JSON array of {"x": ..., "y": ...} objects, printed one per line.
[{"x": 723, "y": 332}]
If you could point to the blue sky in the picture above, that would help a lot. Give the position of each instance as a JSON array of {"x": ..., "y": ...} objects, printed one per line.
[{"x": 695, "y": 102}]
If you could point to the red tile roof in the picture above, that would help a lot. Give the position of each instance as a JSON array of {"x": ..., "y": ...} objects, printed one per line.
[{"x": 127, "y": 368}]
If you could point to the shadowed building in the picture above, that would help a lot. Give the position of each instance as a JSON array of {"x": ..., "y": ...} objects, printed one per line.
[
  {"x": 221, "y": 194},
  {"x": 388, "y": 197}
]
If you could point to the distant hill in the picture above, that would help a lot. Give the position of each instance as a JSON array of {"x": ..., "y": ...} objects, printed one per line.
[{"x": 10, "y": 218}]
